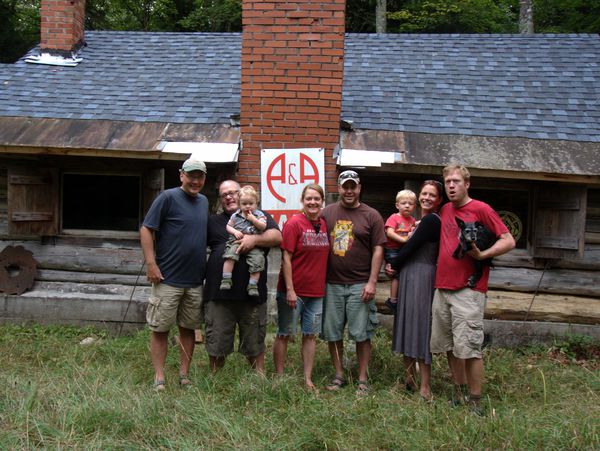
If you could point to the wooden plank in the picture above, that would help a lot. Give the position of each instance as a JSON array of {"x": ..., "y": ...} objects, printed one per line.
[
  {"x": 558, "y": 243},
  {"x": 508, "y": 305},
  {"x": 31, "y": 216},
  {"x": 28, "y": 179}
]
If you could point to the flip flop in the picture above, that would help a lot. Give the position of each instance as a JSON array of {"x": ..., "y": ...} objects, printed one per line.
[
  {"x": 336, "y": 384},
  {"x": 363, "y": 388},
  {"x": 184, "y": 380},
  {"x": 159, "y": 385}
]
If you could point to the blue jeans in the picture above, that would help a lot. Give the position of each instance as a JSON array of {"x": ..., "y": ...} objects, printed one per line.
[{"x": 308, "y": 310}]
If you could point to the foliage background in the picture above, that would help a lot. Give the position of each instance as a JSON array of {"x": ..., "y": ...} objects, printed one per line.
[{"x": 19, "y": 19}]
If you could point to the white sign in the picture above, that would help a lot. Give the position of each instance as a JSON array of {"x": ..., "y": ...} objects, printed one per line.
[{"x": 284, "y": 173}]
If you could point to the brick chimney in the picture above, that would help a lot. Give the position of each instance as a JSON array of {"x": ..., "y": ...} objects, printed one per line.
[
  {"x": 292, "y": 71},
  {"x": 62, "y": 26}
]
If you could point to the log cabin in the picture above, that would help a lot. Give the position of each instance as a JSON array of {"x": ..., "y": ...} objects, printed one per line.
[{"x": 93, "y": 124}]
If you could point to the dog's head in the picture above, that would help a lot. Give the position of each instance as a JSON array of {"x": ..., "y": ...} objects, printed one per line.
[{"x": 468, "y": 230}]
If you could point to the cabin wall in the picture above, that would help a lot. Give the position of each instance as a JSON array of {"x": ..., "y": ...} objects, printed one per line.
[{"x": 99, "y": 279}]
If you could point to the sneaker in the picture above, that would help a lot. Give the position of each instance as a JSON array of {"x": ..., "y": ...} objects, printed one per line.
[
  {"x": 391, "y": 305},
  {"x": 252, "y": 289},
  {"x": 225, "y": 284}
]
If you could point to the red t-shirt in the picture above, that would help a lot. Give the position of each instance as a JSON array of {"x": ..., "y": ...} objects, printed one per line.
[
  {"x": 401, "y": 225},
  {"x": 354, "y": 232},
  {"x": 309, "y": 256},
  {"x": 452, "y": 273}
]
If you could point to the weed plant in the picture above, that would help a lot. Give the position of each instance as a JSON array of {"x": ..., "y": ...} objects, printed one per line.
[{"x": 57, "y": 393}]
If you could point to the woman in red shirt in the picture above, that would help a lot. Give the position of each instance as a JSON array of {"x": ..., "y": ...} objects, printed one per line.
[{"x": 301, "y": 287}]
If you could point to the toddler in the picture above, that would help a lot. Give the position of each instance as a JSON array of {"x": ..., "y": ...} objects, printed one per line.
[
  {"x": 247, "y": 220},
  {"x": 398, "y": 229}
]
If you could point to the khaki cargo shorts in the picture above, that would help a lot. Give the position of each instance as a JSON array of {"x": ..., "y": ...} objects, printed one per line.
[
  {"x": 169, "y": 305},
  {"x": 457, "y": 322}
]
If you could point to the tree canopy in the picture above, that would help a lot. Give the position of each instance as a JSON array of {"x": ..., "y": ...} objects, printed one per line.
[{"x": 20, "y": 22}]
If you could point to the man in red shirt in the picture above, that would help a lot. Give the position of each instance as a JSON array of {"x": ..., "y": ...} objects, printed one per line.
[{"x": 457, "y": 311}]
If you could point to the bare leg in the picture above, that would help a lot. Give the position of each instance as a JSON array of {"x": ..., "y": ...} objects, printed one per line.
[
  {"x": 409, "y": 365},
  {"x": 394, "y": 289},
  {"x": 158, "y": 353},
  {"x": 457, "y": 367},
  {"x": 280, "y": 352},
  {"x": 228, "y": 265},
  {"x": 475, "y": 371},
  {"x": 187, "y": 341},
  {"x": 336, "y": 351},
  {"x": 216, "y": 363},
  {"x": 309, "y": 346},
  {"x": 425, "y": 375},
  {"x": 363, "y": 354},
  {"x": 258, "y": 363},
  {"x": 198, "y": 336}
]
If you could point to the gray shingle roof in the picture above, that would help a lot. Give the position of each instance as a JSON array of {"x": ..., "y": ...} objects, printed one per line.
[
  {"x": 157, "y": 77},
  {"x": 539, "y": 86}
]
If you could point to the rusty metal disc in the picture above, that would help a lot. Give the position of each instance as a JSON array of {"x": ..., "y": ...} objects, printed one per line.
[{"x": 17, "y": 270}]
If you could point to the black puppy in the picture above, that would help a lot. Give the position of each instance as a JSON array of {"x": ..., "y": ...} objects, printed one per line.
[{"x": 474, "y": 232}]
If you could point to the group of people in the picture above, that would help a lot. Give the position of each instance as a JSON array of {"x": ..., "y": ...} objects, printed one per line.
[{"x": 331, "y": 260}]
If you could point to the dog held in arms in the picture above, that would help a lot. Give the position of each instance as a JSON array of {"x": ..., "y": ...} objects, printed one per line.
[{"x": 474, "y": 232}]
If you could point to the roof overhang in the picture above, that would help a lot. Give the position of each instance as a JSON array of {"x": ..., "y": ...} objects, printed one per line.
[
  {"x": 217, "y": 143},
  {"x": 501, "y": 157}
]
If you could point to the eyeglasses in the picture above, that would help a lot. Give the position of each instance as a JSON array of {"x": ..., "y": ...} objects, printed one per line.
[
  {"x": 348, "y": 175},
  {"x": 317, "y": 227},
  {"x": 229, "y": 194}
]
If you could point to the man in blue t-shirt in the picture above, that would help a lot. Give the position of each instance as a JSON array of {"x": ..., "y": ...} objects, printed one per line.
[{"x": 173, "y": 239}]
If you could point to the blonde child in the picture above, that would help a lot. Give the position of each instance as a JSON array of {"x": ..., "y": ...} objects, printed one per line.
[
  {"x": 398, "y": 229},
  {"x": 247, "y": 220}
]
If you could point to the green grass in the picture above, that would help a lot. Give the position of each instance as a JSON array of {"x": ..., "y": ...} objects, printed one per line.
[{"x": 56, "y": 393}]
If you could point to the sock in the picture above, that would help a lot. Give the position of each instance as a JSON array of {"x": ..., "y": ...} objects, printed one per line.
[
  {"x": 253, "y": 282},
  {"x": 226, "y": 275}
]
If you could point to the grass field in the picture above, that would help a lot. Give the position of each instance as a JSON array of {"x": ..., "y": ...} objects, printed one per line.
[{"x": 58, "y": 393}]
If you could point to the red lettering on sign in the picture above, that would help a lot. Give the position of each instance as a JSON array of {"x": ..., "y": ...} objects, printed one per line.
[
  {"x": 271, "y": 177},
  {"x": 304, "y": 161}
]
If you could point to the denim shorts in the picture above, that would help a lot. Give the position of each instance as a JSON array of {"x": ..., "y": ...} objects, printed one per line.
[
  {"x": 168, "y": 305},
  {"x": 457, "y": 322},
  {"x": 308, "y": 310},
  {"x": 343, "y": 304},
  {"x": 390, "y": 255}
]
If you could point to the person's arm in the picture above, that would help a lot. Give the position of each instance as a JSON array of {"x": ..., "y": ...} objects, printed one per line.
[
  {"x": 286, "y": 268},
  {"x": 392, "y": 235},
  {"x": 260, "y": 223},
  {"x": 269, "y": 238},
  {"x": 147, "y": 242},
  {"x": 233, "y": 232},
  {"x": 370, "y": 288},
  {"x": 428, "y": 231},
  {"x": 505, "y": 243}
]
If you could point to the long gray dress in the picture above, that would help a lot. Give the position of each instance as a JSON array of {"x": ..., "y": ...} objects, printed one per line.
[{"x": 416, "y": 263}]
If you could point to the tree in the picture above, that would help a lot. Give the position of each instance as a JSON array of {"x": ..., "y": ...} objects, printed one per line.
[
  {"x": 456, "y": 16},
  {"x": 19, "y": 28},
  {"x": 567, "y": 16}
]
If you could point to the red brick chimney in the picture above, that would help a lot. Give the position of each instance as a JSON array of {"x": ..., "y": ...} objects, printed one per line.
[
  {"x": 62, "y": 25},
  {"x": 292, "y": 70}
]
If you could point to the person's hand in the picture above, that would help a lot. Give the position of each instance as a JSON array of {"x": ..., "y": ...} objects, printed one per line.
[
  {"x": 291, "y": 299},
  {"x": 476, "y": 253},
  {"x": 153, "y": 273},
  {"x": 368, "y": 292},
  {"x": 245, "y": 244},
  {"x": 238, "y": 235},
  {"x": 389, "y": 271}
]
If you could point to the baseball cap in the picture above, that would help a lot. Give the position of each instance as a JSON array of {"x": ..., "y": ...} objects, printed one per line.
[
  {"x": 193, "y": 164},
  {"x": 348, "y": 175}
]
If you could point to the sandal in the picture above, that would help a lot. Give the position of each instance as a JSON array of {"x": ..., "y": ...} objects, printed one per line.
[
  {"x": 184, "y": 380},
  {"x": 336, "y": 384},
  {"x": 362, "y": 389},
  {"x": 159, "y": 385}
]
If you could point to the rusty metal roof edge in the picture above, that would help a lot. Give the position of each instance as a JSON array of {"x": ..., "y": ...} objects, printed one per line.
[{"x": 120, "y": 139}]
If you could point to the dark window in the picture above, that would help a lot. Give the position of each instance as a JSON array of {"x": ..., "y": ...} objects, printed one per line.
[
  {"x": 513, "y": 207},
  {"x": 101, "y": 202}
]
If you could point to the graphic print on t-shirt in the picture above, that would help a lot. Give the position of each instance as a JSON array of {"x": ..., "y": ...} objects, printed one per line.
[{"x": 342, "y": 237}]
